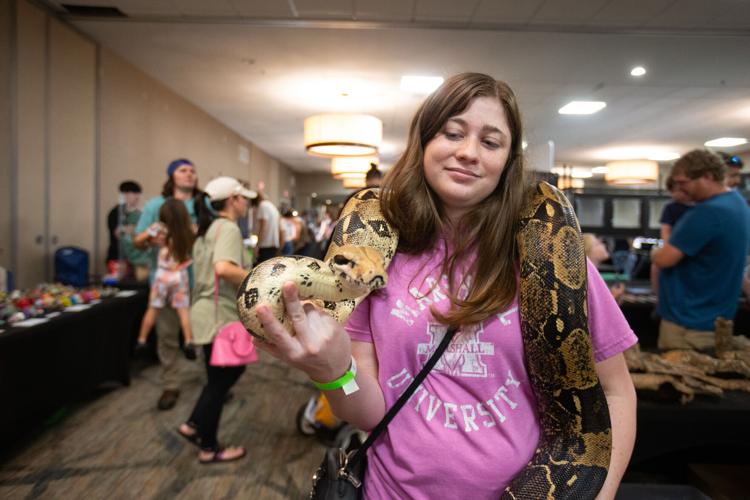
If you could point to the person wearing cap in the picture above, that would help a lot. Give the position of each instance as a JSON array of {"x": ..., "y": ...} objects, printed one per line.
[
  {"x": 701, "y": 264},
  {"x": 267, "y": 226},
  {"x": 219, "y": 268},
  {"x": 734, "y": 164},
  {"x": 181, "y": 184}
]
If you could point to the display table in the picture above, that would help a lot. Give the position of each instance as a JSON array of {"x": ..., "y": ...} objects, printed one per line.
[
  {"x": 711, "y": 430},
  {"x": 638, "y": 309},
  {"x": 45, "y": 366}
]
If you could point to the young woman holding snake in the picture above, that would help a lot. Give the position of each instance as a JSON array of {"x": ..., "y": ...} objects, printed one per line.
[{"x": 517, "y": 405}]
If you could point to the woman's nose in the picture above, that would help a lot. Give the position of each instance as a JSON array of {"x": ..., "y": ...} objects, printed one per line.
[{"x": 467, "y": 149}]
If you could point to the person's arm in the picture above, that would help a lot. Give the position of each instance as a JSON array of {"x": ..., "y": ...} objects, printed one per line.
[
  {"x": 322, "y": 349},
  {"x": 667, "y": 256},
  {"x": 229, "y": 271},
  {"x": 664, "y": 232},
  {"x": 227, "y": 255},
  {"x": 262, "y": 225},
  {"x": 621, "y": 400}
]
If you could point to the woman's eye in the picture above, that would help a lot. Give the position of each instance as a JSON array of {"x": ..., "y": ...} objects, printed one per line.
[
  {"x": 452, "y": 135},
  {"x": 491, "y": 144}
]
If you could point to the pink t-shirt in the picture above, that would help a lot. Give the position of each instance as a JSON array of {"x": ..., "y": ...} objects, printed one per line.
[{"x": 472, "y": 424}]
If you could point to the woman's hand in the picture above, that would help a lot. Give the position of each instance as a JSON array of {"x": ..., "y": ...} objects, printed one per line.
[{"x": 321, "y": 347}]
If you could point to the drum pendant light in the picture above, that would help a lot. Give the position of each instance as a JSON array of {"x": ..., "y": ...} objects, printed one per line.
[
  {"x": 631, "y": 172},
  {"x": 341, "y": 134}
]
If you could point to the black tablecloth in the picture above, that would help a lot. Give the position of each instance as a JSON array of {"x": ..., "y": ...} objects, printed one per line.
[
  {"x": 717, "y": 428},
  {"x": 45, "y": 366},
  {"x": 639, "y": 311}
]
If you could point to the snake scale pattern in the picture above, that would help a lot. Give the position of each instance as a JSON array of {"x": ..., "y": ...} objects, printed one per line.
[
  {"x": 361, "y": 248},
  {"x": 573, "y": 453}
]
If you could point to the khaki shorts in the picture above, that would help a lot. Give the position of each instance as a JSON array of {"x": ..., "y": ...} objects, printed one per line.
[{"x": 674, "y": 336}]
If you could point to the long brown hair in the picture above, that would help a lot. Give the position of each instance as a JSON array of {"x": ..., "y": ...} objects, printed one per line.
[
  {"x": 411, "y": 205},
  {"x": 180, "y": 234}
]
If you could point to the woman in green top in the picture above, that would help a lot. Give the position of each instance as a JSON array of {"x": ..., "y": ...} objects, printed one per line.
[{"x": 218, "y": 265}]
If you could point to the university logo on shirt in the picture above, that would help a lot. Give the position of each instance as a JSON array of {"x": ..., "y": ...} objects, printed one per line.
[{"x": 463, "y": 357}]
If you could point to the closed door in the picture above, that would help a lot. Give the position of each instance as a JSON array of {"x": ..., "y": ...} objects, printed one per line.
[
  {"x": 31, "y": 101},
  {"x": 72, "y": 92}
]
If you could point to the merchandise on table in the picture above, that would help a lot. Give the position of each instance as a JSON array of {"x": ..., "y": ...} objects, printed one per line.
[{"x": 37, "y": 302}]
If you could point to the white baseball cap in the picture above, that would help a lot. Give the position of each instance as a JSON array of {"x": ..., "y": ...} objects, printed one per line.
[{"x": 222, "y": 188}]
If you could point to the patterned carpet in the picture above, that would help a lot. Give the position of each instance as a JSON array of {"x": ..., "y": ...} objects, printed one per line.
[{"x": 118, "y": 445}]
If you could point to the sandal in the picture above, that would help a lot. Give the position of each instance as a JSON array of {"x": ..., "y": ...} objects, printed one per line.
[
  {"x": 192, "y": 437},
  {"x": 220, "y": 455}
]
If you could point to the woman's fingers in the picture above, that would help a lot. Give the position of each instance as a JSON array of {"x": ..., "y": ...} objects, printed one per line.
[
  {"x": 285, "y": 344},
  {"x": 269, "y": 348},
  {"x": 295, "y": 310}
]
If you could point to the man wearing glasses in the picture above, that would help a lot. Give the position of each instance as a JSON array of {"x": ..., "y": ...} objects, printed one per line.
[{"x": 702, "y": 263}]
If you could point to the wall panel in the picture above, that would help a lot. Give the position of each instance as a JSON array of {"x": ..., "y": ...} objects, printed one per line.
[
  {"x": 7, "y": 45},
  {"x": 72, "y": 99},
  {"x": 31, "y": 145}
]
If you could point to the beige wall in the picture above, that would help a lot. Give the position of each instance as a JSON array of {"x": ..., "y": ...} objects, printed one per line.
[
  {"x": 144, "y": 126},
  {"x": 86, "y": 120},
  {"x": 6, "y": 177},
  {"x": 71, "y": 139},
  {"x": 323, "y": 185},
  {"x": 31, "y": 146}
]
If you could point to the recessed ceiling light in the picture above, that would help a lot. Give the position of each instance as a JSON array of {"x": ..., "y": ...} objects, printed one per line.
[
  {"x": 524, "y": 144},
  {"x": 725, "y": 142},
  {"x": 582, "y": 107},
  {"x": 638, "y": 71},
  {"x": 420, "y": 84}
]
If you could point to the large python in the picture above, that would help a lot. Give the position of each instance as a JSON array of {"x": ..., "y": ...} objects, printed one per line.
[
  {"x": 361, "y": 248},
  {"x": 572, "y": 457}
]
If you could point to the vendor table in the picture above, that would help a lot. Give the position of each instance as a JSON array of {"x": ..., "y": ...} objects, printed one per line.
[
  {"x": 45, "y": 366},
  {"x": 706, "y": 430},
  {"x": 638, "y": 309}
]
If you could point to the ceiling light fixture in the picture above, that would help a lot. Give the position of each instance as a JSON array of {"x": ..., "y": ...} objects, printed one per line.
[
  {"x": 354, "y": 183},
  {"x": 340, "y": 134},
  {"x": 638, "y": 71},
  {"x": 631, "y": 172},
  {"x": 352, "y": 165},
  {"x": 570, "y": 183},
  {"x": 725, "y": 142},
  {"x": 421, "y": 84},
  {"x": 582, "y": 107},
  {"x": 573, "y": 172}
]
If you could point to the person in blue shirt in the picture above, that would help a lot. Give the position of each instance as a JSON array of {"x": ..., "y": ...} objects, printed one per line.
[
  {"x": 182, "y": 184},
  {"x": 703, "y": 261}
]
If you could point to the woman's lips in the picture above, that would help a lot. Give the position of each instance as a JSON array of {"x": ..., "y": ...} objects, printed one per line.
[{"x": 461, "y": 172}]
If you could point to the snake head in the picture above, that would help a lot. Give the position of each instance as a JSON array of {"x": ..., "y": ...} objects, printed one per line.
[{"x": 360, "y": 269}]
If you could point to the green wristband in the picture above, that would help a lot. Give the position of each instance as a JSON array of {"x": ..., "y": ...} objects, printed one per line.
[{"x": 346, "y": 381}]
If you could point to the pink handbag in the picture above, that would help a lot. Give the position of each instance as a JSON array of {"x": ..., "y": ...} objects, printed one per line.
[{"x": 233, "y": 344}]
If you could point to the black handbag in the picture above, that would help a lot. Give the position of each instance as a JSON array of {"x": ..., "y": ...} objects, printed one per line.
[{"x": 342, "y": 473}]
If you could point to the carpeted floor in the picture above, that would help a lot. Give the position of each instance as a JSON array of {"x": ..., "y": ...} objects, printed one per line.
[{"x": 118, "y": 445}]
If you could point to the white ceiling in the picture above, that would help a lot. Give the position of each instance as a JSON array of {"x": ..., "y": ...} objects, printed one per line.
[{"x": 262, "y": 66}]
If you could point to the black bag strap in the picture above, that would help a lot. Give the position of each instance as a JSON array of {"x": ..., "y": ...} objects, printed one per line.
[{"x": 352, "y": 462}]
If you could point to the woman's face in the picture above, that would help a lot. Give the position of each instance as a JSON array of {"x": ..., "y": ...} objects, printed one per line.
[
  {"x": 464, "y": 161},
  {"x": 241, "y": 206}
]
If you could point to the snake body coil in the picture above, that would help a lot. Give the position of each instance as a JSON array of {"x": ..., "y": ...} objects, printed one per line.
[{"x": 573, "y": 453}]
